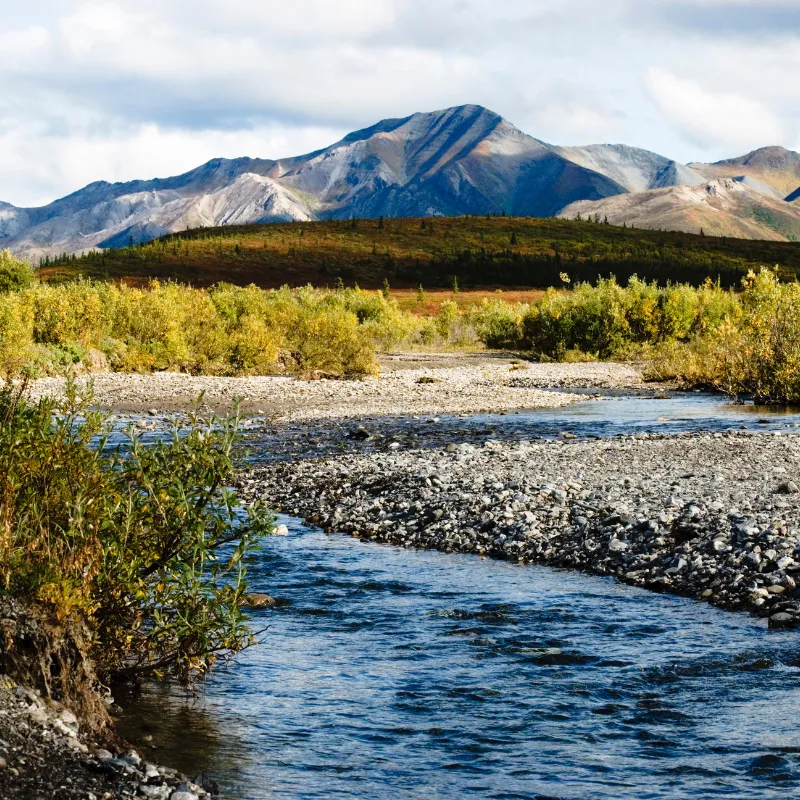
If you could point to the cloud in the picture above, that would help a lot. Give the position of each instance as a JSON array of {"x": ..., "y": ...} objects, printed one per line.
[
  {"x": 711, "y": 118},
  {"x": 747, "y": 18},
  {"x": 107, "y": 89}
]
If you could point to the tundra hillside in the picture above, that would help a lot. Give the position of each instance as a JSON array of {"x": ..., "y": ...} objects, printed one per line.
[{"x": 477, "y": 251}]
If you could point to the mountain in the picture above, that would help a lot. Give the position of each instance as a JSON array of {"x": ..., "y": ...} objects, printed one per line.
[
  {"x": 635, "y": 169},
  {"x": 741, "y": 207},
  {"x": 462, "y": 160},
  {"x": 776, "y": 167}
]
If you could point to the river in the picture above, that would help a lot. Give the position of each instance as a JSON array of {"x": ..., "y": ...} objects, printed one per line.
[{"x": 392, "y": 673}]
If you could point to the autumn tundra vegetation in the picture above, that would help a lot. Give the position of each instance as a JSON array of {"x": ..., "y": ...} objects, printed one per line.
[{"x": 743, "y": 339}]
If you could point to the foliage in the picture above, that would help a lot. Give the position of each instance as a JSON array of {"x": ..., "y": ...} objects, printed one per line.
[
  {"x": 14, "y": 274},
  {"x": 407, "y": 252},
  {"x": 755, "y": 352},
  {"x": 605, "y": 319},
  {"x": 144, "y": 544},
  {"x": 228, "y": 330}
]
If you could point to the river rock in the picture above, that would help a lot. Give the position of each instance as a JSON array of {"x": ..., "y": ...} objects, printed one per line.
[
  {"x": 255, "y": 600},
  {"x": 691, "y": 514},
  {"x": 783, "y": 620}
]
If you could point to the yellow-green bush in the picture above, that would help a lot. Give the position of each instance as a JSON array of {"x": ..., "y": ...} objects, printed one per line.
[
  {"x": 228, "y": 330},
  {"x": 498, "y": 324},
  {"x": 144, "y": 547},
  {"x": 14, "y": 274},
  {"x": 606, "y": 319},
  {"x": 755, "y": 351}
]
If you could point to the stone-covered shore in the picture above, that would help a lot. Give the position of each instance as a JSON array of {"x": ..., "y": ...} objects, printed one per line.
[
  {"x": 713, "y": 516},
  {"x": 46, "y": 754},
  {"x": 443, "y": 383}
]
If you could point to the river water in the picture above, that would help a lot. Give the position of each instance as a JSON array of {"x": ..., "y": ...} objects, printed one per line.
[{"x": 391, "y": 673}]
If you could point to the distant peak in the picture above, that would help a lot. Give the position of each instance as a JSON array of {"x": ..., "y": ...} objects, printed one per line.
[
  {"x": 773, "y": 156},
  {"x": 470, "y": 113}
]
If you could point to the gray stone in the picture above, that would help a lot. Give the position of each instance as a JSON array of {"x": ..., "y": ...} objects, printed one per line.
[{"x": 783, "y": 620}]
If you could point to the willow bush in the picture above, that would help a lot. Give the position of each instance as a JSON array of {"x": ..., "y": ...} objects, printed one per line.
[
  {"x": 145, "y": 545},
  {"x": 754, "y": 351},
  {"x": 14, "y": 274},
  {"x": 227, "y": 330},
  {"x": 742, "y": 342}
]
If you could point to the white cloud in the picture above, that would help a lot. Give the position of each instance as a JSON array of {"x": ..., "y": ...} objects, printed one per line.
[
  {"x": 713, "y": 118},
  {"x": 109, "y": 89}
]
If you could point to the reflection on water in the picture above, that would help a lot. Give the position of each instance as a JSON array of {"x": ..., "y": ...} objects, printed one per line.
[{"x": 405, "y": 674}]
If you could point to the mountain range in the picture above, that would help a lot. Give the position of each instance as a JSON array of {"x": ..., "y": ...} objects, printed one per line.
[{"x": 462, "y": 160}]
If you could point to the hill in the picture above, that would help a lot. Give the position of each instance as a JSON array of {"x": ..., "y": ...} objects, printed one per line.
[{"x": 478, "y": 251}]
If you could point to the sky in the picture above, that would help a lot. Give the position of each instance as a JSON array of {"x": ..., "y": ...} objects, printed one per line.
[{"x": 103, "y": 90}]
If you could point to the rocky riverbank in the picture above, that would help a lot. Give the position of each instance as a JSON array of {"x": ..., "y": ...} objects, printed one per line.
[
  {"x": 44, "y": 753},
  {"x": 409, "y": 384},
  {"x": 713, "y": 516}
]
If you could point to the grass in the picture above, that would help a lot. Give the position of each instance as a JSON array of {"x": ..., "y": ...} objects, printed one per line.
[
  {"x": 429, "y": 305},
  {"x": 478, "y": 251}
]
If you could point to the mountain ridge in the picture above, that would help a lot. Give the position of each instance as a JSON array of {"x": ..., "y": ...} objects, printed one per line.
[{"x": 461, "y": 160}]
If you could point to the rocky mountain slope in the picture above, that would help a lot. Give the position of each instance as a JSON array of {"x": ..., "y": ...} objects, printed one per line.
[
  {"x": 776, "y": 167},
  {"x": 462, "y": 160},
  {"x": 742, "y": 207}
]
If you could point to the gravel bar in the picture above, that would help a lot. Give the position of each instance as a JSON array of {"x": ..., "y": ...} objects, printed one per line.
[
  {"x": 712, "y": 516},
  {"x": 467, "y": 386}
]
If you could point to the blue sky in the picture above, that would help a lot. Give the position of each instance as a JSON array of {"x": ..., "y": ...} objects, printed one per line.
[{"x": 117, "y": 90}]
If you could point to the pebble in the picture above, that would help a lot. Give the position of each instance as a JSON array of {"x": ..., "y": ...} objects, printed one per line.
[
  {"x": 692, "y": 514},
  {"x": 462, "y": 384}
]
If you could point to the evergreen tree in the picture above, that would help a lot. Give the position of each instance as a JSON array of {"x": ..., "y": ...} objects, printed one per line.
[
  {"x": 513, "y": 239},
  {"x": 455, "y": 284},
  {"x": 387, "y": 291},
  {"x": 420, "y": 295},
  {"x": 380, "y": 223}
]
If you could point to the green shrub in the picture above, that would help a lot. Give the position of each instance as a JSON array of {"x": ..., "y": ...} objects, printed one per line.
[
  {"x": 753, "y": 352},
  {"x": 228, "y": 330},
  {"x": 144, "y": 545},
  {"x": 14, "y": 274},
  {"x": 497, "y": 323}
]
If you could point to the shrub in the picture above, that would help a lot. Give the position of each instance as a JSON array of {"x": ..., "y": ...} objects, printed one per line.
[
  {"x": 227, "y": 330},
  {"x": 497, "y": 323},
  {"x": 144, "y": 545},
  {"x": 14, "y": 274},
  {"x": 754, "y": 352}
]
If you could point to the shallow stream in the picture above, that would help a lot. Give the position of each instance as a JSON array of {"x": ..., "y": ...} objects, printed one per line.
[{"x": 393, "y": 673}]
